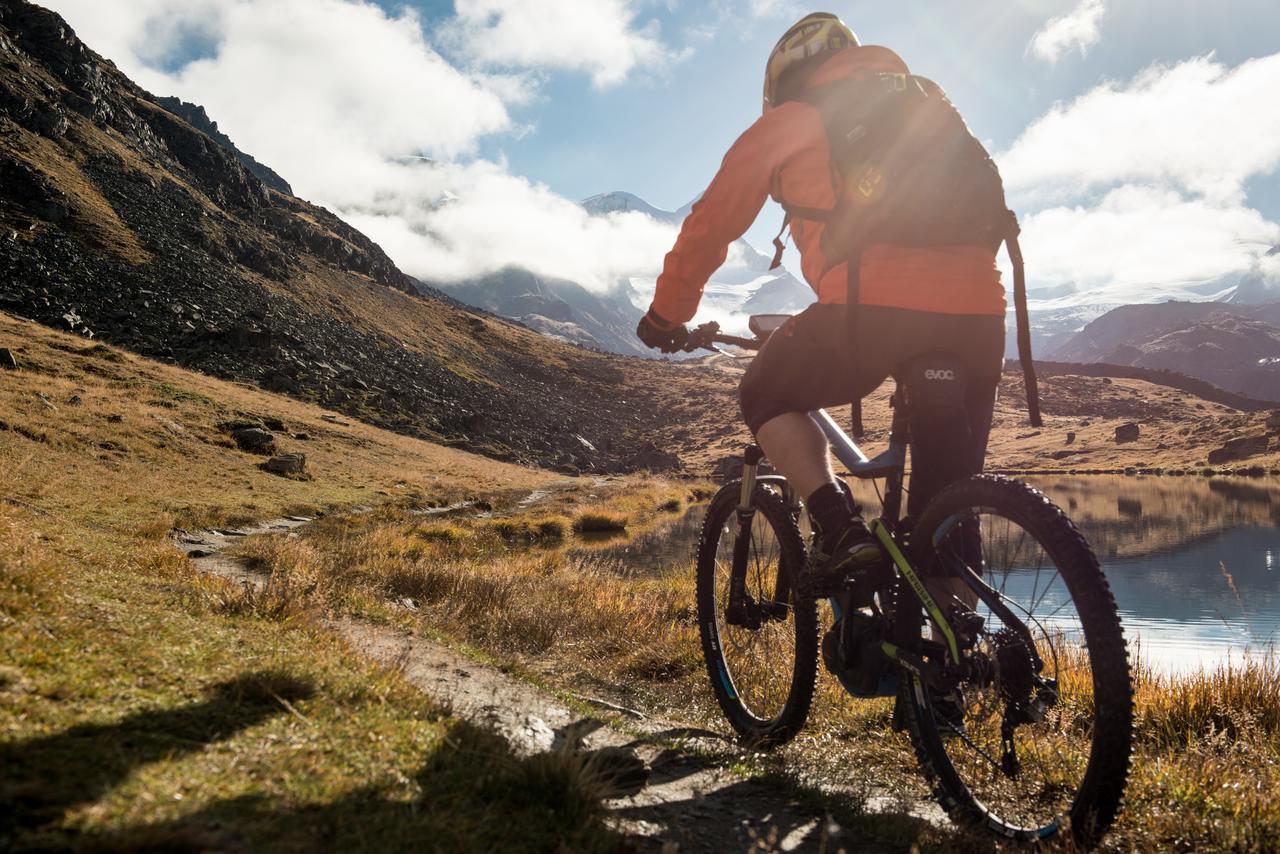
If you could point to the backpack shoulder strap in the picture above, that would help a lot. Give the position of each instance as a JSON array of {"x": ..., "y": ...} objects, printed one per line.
[
  {"x": 792, "y": 212},
  {"x": 1024, "y": 322}
]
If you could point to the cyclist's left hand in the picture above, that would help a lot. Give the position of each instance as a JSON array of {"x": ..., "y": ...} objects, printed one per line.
[{"x": 658, "y": 334}]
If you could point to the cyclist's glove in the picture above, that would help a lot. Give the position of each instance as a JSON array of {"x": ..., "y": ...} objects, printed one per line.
[{"x": 658, "y": 334}]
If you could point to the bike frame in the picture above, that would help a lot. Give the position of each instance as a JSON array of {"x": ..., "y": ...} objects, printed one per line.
[{"x": 889, "y": 465}]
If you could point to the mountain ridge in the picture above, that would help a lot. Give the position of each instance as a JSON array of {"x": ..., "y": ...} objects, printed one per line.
[
  {"x": 121, "y": 221},
  {"x": 1233, "y": 346}
]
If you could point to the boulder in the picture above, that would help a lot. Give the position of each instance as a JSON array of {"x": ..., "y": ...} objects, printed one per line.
[
  {"x": 652, "y": 458},
  {"x": 1071, "y": 438},
  {"x": 1240, "y": 448},
  {"x": 255, "y": 440},
  {"x": 7, "y": 359},
  {"x": 1128, "y": 433},
  {"x": 287, "y": 464}
]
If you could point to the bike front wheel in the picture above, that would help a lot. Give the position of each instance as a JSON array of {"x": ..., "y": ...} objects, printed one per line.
[
  {"x": 763, "y": 659},
  {"x": 1035, "y": 742}
]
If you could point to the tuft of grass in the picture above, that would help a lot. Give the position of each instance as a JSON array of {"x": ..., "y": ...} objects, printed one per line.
[
  {"x": 1233, "y": 703},
  {"x": 450, "y": 535},
  {"x": 541, "y": 530},
  {"x": 671, "y": 505},
  {"x": 600, "y": 522},
  {"x": 102, "y": 351}
]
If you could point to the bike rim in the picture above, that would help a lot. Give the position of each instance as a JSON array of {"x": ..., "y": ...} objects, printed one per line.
[
  {"x": 758, "y": 664},
  {"x": 1051, "y": 755}
]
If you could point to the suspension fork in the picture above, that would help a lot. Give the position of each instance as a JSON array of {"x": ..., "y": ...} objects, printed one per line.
[{"x": 741, "y": 610}]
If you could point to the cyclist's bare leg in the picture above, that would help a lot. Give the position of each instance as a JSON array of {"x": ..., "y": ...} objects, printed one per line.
[{"x": 797, "y": 447}]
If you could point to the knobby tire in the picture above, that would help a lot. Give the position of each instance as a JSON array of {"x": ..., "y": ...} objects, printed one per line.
[
  {"x": 1097, "y": 799},
  {"x": 759, "y": 731}
]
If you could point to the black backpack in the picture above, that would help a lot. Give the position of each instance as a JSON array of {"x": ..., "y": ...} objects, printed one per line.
[{"x": 908, "y": 172}]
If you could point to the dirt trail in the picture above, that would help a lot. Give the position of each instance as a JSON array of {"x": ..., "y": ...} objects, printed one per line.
[{"x": 691, "y": 801}]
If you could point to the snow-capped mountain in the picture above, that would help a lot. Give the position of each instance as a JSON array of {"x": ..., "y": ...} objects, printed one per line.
[
  {"x": 607, "y": 319},
  {"x": 1060, "y": 313}
]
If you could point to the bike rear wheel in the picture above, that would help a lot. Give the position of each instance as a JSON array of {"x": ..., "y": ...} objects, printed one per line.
[
  {"x": 1005, "y": 750},
  {"x": 762, "y": 668}
]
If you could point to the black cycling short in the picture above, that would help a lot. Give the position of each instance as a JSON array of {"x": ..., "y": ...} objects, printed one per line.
[{"x": 811, "y": 362}]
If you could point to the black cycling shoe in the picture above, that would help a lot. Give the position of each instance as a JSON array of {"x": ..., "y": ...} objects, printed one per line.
[{"x": 853, "y": 554}]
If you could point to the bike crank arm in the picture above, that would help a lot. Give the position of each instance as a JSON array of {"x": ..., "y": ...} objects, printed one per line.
[{"x": 939, "y": 678}]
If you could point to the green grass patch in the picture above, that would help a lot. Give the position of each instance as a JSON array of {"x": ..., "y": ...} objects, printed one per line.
[{"x": 600, "y": 522}]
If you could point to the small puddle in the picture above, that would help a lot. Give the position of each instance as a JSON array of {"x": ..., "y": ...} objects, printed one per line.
[{"x": 661, "y": 550}]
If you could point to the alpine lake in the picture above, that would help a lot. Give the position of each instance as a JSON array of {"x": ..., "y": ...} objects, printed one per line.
[{"x": 1194, "y": 562}]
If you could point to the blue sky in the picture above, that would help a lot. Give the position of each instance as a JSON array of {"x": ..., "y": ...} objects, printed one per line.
[
  {"x": 662, "y": 136},
  {"x": 1140, "y": 138}
]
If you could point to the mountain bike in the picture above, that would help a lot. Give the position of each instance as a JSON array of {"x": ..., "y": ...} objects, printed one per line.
[{"x": 991, "y": 623}]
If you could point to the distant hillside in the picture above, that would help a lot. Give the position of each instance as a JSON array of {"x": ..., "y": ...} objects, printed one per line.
[
  {"x": 122, "y": 221},
  {"x": 1170, "y": 379},
  {"x": 1234, "y": 347},
  {"x": 556, "y": 307}
]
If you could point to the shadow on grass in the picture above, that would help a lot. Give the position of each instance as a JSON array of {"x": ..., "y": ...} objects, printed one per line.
[
  {"x": 471, "y": 794},
  {"x": 46, "y": 777}
]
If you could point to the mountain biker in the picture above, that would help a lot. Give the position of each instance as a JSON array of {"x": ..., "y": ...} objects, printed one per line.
[{"x": 911, "y": 301}]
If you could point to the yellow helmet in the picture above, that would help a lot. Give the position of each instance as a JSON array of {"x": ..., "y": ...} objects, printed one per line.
[{"x": 818, "y": 33}]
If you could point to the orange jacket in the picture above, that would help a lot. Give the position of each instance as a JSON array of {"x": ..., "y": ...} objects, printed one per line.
[{"x": 785, "y": 155}]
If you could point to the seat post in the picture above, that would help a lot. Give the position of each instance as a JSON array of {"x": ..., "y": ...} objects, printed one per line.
[{"x": 899, "y": 438}]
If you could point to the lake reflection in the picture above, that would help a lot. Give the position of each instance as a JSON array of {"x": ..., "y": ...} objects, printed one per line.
[{"x": 1192, "y": 561}]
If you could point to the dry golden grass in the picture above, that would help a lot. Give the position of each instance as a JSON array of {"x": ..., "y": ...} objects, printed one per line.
[
  {"x": 1207, "y": 748},
  {"x": 101, "y": 435},
  {"x": 144, "y": 706}
]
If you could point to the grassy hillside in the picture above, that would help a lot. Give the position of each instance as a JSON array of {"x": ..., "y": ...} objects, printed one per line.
[
  {"x": 145, "y": 706},
  {"x": 214, "y": 717}
]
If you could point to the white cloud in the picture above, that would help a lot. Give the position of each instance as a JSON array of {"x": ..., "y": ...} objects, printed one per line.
[
  {"x": 356, "y": 109},
  {"x": 601, "y": 37},
  {"x": 1200, "y": 125},
  {"x": 1079, "y": 30},
  {"x": 1140, "y": 236},
  {"x": 492, "y": 219},
  {"x": 1143, "y": 184},
  {"x": 771, "y": 8}
]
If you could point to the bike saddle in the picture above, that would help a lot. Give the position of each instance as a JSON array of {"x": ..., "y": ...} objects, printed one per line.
[{"x": 762, "y": 325}]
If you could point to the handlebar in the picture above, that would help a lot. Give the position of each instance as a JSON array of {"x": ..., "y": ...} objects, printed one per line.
[{"x": 706, "y": 336}]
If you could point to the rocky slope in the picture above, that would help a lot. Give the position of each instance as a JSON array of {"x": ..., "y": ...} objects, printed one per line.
[
  {"x": 121, "y": 220},
  {"x": 1236, "y": 347}
]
